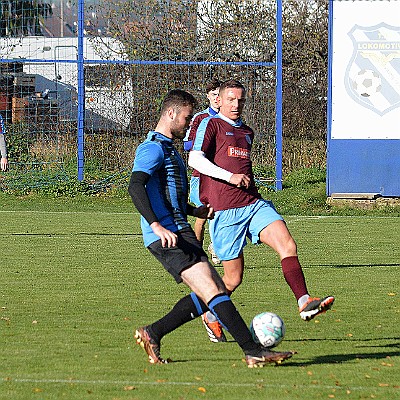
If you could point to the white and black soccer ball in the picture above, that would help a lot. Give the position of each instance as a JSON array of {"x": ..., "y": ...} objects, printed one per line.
[
  {"x": 268, "y": 329},
  {"x": 367, "y": 83}
]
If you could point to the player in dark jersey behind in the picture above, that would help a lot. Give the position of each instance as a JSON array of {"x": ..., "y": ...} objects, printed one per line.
[
  {"x": 221, "y": 153},
  {"x": 215, "y": 333},
  {"x": 159, "y": 190},
  {"x": 212, "y": 90}
]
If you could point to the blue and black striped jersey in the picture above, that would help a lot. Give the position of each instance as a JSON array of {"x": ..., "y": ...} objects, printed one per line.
[{"x": 167, "y": 187}]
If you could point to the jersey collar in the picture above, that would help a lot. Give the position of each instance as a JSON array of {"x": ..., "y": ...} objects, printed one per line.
[
  {"x": 237, "y": 123},
  {"x": 212, "y": 112},
  {"x": 153, "y": 135}
]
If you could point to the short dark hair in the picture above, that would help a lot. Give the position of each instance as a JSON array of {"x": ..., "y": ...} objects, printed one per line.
[
  {"x": 213, "y": 84},
  {"x": 178, "y": 98},
  {"x": 231, "y": 83}
]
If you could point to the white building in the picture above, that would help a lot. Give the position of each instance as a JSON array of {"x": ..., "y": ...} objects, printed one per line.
[{"x": 53, "y": 63}]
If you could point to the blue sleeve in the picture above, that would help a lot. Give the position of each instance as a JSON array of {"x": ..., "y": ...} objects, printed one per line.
[
  {"x": 201, "y": 130},
  {"x": 149, "y": 157},
  {"x": 187, "y": 145}
]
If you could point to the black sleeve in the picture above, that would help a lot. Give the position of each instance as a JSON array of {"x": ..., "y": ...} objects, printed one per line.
[
  {"x": 137, "y": 190},
  {"x": 189, "y": 209}
]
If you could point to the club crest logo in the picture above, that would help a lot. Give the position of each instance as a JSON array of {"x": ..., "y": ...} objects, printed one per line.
[{"x": 372, "y": 77}]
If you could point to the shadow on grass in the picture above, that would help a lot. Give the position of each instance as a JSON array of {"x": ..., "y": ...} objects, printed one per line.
[
  {"x": 341, "y": 358},
  {"x": 326, "y": 359},
  {"x": 349, "y": 340},
  {"x": 357, "y": 265}
]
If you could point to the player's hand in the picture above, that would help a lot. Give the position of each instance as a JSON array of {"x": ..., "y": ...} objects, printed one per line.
[
  {"x": 204, "y": 212},
  {"x": 168, "y": 238},
  {"x": 240, "y": 180}
]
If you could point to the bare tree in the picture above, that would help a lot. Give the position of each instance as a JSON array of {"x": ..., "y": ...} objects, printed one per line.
[{"x": 230, "y": 31}]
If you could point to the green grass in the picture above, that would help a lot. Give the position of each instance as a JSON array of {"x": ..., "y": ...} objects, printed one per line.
[{"x": 76, "y": 281}]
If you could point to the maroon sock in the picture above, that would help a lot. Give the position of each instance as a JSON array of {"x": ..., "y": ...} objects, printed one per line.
[{"x": 294, "y": 276}]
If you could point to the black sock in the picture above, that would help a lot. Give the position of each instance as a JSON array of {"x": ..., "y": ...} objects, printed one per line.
[
  {"x": 186, "y": 309},
  {"x": 223, "y": 308}
]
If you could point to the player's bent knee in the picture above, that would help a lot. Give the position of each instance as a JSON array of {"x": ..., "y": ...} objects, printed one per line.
[{"x": 232, "y": 284}]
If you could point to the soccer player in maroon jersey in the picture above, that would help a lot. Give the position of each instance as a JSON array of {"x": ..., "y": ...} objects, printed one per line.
[{"x": 221, "y": 153}]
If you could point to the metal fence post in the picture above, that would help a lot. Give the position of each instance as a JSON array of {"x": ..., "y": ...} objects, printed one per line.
[
  {"x": 81, "y": 93},
  {"x": 278, "y": 100}
]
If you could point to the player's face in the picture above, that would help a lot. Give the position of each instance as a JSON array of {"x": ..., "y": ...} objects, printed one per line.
[
  {"x": 212, "y": 96},
  {"x": 181, "y": 121},
  {"x": 231, "y": 102}
]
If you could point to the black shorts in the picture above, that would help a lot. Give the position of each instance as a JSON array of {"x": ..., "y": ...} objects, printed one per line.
[{"x": 186, "y": 253}]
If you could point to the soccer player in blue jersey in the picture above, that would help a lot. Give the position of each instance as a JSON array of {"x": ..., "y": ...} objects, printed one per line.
[
  {"x": 159, "y": 190},
  {"x": 3, "y": 146},
  {"x": 222, "y": 155}
]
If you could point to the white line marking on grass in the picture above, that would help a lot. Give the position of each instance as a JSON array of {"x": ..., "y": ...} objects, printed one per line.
[
  {"x": 67, "y": 212},
  {"x": 196, "y": 383},
  {"x": 296, "y": 218},
  {"x": 291, "y": 218}
]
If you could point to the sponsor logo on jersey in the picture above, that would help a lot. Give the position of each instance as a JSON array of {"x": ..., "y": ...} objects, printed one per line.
[
  {"x": 238, "y": 152},
  {"x": 229, "y": 133}
]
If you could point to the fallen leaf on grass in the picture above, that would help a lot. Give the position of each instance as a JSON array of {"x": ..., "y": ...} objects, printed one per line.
[
  {"x": 201, "y": 389},
  {"x": 383, "y": 384},
  {"x": 386, "y": 364},
  {"x": 391, "y": 294},
  {"x": 129, "y": 388}
]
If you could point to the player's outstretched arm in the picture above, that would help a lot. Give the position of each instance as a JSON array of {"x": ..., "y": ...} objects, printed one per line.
[{"x": 201, "y": 163}]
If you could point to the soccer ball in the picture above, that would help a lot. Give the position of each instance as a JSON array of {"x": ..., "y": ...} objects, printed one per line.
[
  {"x": 367, "y": 83},
  {"x": 267, "y": 329}
]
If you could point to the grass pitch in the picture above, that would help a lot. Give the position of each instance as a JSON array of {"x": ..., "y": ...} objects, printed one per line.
[{"x": 74, "y": 285}]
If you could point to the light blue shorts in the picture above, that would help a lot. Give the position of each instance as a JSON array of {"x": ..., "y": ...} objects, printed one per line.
[
  {"x": 194, "y": 195},
  {"x": 230, "y": 228}
]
